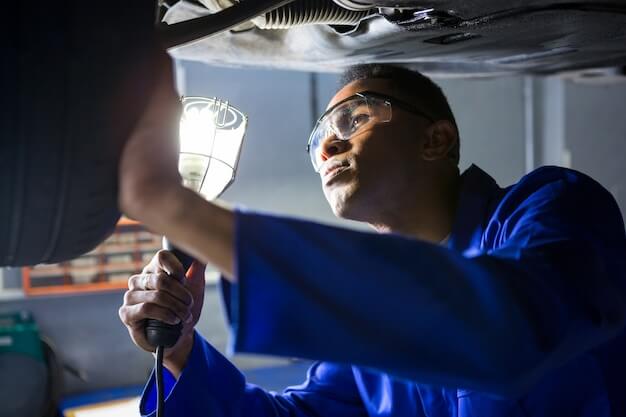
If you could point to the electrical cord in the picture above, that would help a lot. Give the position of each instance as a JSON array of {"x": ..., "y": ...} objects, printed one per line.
[
  {"x": 159, "y": 381},
  {"x": 162, "y": 335}
]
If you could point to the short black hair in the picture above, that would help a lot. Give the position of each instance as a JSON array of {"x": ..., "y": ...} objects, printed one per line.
[{"x": 424, "y": 92}]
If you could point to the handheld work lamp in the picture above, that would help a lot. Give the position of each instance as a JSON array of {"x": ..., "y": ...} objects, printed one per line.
[{"x": 211, "y": 135}]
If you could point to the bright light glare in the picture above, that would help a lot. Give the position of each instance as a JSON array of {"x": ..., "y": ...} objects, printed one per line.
[
  {"x": 197, "y": 129},
  {"x": 211, "y": 135}
]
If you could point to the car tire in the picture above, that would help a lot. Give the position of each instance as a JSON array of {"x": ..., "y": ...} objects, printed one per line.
[{"x": 74, "y": 80}]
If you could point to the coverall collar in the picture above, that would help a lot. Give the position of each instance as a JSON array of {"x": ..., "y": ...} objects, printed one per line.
[{"x": 478, "y": 197}]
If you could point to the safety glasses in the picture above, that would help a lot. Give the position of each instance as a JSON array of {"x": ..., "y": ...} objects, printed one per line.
[{"x": 351, "y": 116}]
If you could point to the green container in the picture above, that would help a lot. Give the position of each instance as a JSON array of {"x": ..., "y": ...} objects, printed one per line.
[{"x": 19, "y": 334}]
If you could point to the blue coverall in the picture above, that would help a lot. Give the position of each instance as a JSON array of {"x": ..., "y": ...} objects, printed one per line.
[{"x": 522, "y": 314}]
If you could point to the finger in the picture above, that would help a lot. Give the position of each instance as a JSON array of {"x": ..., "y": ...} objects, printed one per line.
[
  {"x": 135, "y": 329},
  {"x": 138, "y": 336},
  {"x": 134, "y": 315},
  {"x": 161, "y": 282},
  {"x": 168, "y": 262},
  {"x": 161, "y": 299},
  {"x": 152, "y": 266},
  {"x": 165, "y": 260},
  {"x": 195, "y": 277}
]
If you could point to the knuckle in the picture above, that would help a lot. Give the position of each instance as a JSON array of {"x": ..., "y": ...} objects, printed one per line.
[
  {"x": 133, "y": 281},
  {"x": 152, "y": 282},
  {"x": 123, "y": 314},
  {"x": 127, "y": 297},
  {"x": 146, "y": 282},
  {"x": 161, "y": 281}
]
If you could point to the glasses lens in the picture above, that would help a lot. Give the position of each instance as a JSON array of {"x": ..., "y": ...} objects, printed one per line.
[
  {"x": 321, "y": 131},
  {"x": 344, "y": 121},
  {"x": 348, "y": 119}
]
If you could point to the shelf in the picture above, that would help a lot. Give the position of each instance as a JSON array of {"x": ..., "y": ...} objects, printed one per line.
[
  {"x": 105, "y": 268},
  {"x": 77, "y": 288},
  {"x": 110, "y": 249}
]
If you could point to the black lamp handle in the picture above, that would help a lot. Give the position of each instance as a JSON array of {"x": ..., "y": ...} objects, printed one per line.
[{"x": 157, "y": 332}]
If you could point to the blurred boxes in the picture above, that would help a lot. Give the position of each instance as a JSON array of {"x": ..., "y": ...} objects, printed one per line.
[{"x": 107, "y": 267}]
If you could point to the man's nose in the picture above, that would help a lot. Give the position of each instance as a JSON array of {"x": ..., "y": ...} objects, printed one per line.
[{"x": 333, "y": 146}]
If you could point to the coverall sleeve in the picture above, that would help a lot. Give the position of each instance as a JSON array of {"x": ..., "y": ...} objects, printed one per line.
[
  {"x": 552, "y": 285},
  {"x": 211, "y": 386}
]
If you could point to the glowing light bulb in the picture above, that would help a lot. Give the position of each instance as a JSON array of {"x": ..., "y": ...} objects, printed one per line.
[{"x": 211, "y": 135}]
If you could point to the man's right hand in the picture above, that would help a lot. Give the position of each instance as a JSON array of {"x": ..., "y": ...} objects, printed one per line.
[{"x": 162, "y": 292}]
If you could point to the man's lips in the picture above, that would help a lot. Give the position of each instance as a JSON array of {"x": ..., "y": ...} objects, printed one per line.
[{"x": 334, "y": 168}]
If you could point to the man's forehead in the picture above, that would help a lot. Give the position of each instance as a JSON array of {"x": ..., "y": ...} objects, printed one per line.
[{"x": 377, "y": 85}]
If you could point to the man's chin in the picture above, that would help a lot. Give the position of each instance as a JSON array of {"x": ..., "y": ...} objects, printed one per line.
[
  {"x": 343, "y": 199},
  {"x": 343, "y": 208},
  {"x": 336, "y": 203},
  {"x": 340, "y": 212}
]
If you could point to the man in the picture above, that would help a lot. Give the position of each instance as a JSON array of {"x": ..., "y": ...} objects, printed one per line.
[{"x": 472, "y": 300}]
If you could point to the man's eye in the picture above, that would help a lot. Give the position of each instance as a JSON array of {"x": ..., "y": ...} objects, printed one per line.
[{"x": 359, "y": 120}]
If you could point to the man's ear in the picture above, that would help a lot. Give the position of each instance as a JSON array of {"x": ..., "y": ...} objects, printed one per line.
[{"x": 440, "y": 142}]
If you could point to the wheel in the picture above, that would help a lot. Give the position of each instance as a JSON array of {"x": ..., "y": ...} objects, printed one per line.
[{"x": 74, "y": 80}]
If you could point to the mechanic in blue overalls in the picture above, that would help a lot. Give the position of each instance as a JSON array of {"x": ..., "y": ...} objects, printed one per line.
[{"x": 471, "y": 300}]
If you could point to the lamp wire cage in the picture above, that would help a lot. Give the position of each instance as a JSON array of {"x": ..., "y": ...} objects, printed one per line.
[{"x": 226, "y": 121}]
